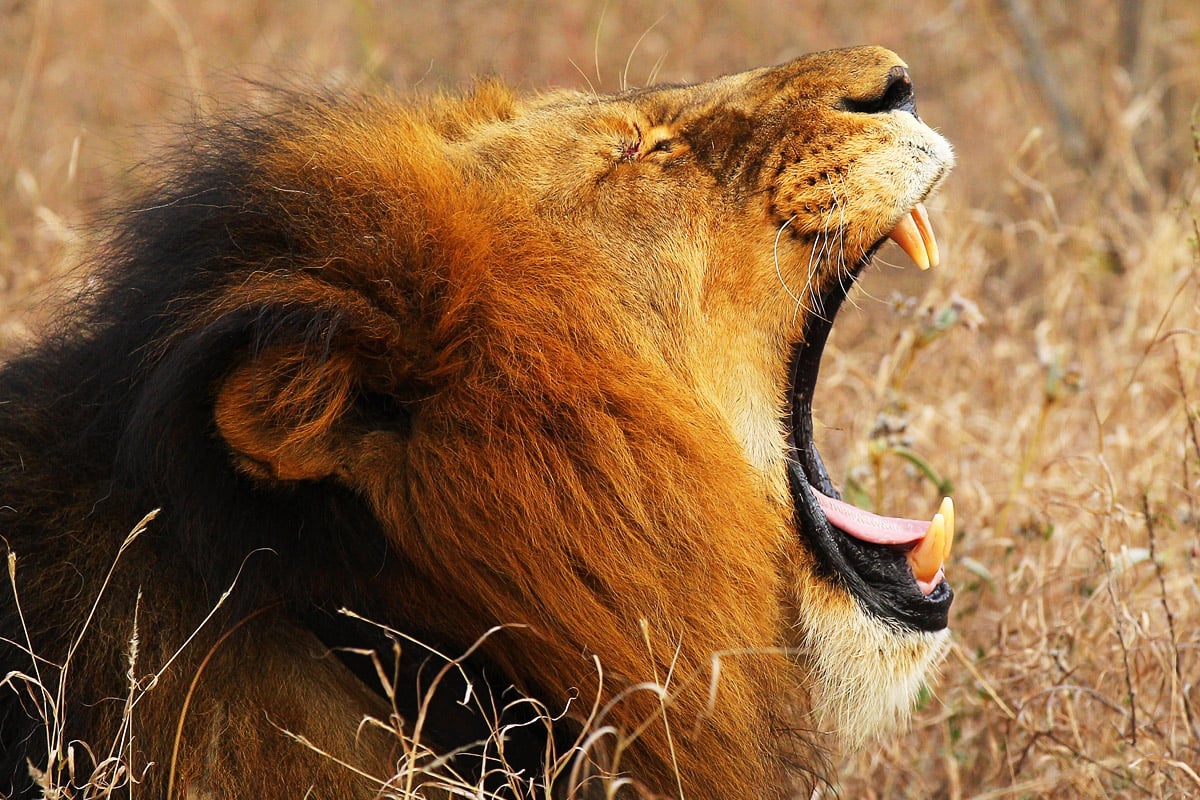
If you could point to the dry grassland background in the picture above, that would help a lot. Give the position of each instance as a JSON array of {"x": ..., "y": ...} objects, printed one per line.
[{"x": 1049, "y": 370}]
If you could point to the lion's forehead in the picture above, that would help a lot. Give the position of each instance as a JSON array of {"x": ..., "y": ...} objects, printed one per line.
[{"x": 730, "y": 122}]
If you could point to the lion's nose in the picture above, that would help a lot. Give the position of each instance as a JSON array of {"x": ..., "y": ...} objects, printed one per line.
[{"x": 896, "y": 95}]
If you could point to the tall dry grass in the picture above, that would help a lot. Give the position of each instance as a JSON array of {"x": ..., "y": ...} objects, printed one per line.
[{"x": 1049, "y": 370}]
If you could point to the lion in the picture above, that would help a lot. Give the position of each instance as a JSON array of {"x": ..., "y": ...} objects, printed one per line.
[{"x": 469, "y": 438}]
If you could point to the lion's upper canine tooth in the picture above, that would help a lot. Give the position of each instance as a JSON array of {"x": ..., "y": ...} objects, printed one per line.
[
  {"x": 914, "y": 234},
  {"x": 921, "y": 217}
]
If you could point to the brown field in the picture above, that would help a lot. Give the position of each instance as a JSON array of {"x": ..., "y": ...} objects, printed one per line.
[{"x": 1049, "y": 370}]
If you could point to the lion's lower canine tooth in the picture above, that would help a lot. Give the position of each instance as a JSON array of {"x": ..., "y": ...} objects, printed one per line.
[
  {"x": 947, "y": 512},
  {"x": 927, "y": 557}
]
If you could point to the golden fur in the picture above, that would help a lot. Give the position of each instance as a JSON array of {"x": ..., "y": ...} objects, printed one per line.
[{"x": 535, "y": 350}]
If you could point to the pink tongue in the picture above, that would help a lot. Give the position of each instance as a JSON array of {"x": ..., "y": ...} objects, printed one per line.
[{"x": 871, "y": 527}]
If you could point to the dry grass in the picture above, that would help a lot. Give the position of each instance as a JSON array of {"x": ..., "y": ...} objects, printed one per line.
[{"x": 1068, "y": 421}]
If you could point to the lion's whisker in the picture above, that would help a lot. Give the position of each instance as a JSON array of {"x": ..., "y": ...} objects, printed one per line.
[{"x": 775, "y": 258}]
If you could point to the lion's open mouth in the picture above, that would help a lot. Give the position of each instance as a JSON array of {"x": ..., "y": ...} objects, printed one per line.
[{"x": 893, "y": 566}]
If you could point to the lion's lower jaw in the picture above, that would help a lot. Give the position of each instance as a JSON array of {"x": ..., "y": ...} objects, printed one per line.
[{"x": 866, "y": 674}]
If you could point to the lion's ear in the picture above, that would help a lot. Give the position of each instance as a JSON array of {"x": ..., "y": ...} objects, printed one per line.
[{"x": 287, "y": 416}]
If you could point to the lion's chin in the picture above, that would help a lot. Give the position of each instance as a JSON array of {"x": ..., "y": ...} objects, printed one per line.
[{"x": 866, "y": 674}]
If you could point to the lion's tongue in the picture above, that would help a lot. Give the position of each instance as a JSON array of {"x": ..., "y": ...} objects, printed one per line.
[
  {"x": 931, "y": 540},
  {"x": 914, "y": 234}
]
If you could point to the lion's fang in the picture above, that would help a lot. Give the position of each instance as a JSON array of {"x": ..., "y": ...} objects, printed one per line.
[{"x": 914, "y": 234}]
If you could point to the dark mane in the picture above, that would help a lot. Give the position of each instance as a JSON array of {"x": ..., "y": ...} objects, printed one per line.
[{"x": 109, "y": 416}]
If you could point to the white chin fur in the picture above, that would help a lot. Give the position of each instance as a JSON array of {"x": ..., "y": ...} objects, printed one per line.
[{"x": 866, "y": 673}]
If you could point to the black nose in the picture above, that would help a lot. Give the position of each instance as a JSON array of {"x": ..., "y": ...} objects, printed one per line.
[{"x": 897, "y": 95}]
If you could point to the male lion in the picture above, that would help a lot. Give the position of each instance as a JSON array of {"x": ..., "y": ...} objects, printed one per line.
[{"x": 523, "y": 379}]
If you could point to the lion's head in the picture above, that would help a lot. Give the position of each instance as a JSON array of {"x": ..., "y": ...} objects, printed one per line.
[{"x": 540, "y": 363}]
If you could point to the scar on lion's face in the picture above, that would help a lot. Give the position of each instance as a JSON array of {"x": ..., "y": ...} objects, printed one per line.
[{"x": 528, "y": 379}]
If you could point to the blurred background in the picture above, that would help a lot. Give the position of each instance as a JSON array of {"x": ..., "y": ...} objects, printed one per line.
[{"x": 1047, "y": 374}]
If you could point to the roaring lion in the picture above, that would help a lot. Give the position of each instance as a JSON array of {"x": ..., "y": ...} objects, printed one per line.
[{"x": 479, "y": 435}]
